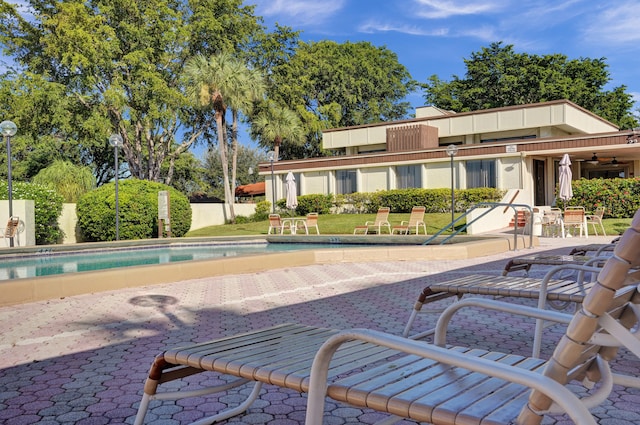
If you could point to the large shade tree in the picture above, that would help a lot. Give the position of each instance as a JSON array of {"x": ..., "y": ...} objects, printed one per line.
[
  {"x": 118, "y": 65},
  {"x": 497, "y": 76},
  {"x": 329, "y": 84}
]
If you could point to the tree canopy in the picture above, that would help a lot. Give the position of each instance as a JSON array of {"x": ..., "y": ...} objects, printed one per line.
[
  {"x": 497, "y": 76},
  {"x": 118, "y": 64},
  {"x": 336, "y": 85}
]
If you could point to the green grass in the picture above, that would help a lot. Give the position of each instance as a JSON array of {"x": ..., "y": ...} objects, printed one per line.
[
  {"x": 330, "y": 224},
  {"x": 343, "y": 224}
]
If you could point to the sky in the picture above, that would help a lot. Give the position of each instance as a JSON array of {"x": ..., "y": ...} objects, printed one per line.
[{"x": 435, "y": 36}]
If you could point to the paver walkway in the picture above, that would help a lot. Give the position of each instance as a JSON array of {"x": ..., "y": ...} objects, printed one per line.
[{"x": 83, "y": 359}]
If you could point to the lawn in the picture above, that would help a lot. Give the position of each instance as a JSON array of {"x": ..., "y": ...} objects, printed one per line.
[{"x": 343, "y": 224}]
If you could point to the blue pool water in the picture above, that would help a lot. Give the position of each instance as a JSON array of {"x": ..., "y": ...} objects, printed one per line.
[{"x": 52, "y": 263}]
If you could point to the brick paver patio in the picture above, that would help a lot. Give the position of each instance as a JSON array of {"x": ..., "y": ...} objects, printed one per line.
[{"x": 83, "y": 359}]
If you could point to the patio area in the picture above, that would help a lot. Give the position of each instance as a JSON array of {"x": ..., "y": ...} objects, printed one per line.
[{"x": 84, "y": 359}]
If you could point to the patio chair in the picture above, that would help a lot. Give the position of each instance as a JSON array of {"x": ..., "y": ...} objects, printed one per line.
[
  {"x": 438, "y": 384},
  {"x": 381, "y": 221},
  {"x": 13, "y": 229},
  {"x": 416, "y": 221},
  {"x": 278, "y": 225},
  {"x": 311, "y": 221},
  {"x": 552, "y": 223},
  {"x": 595, "y": 220},
  {"x": 574, "y": 218}
]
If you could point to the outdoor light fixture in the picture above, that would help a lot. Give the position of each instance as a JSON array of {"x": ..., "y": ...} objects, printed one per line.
[
  {"x": 9, "y": 129},
  {"x": 115, "y": 140},
  {"x": 271, "y": 156},
  {"x": 452, "y": 150}
]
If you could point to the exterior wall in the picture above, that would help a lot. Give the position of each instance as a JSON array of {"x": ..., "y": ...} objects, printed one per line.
[
  {"x": 562, "y": 115},
  {"x": 25, "y": 210},
  {"x": 439, "y": 175},
  {"x": 510, "y": 173},
  {"x": 372, "y": 179},
  {"x": 316, "y": 182}
]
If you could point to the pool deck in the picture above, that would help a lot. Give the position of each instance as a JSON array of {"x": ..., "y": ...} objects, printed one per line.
[{"x": 83, "y": 359}]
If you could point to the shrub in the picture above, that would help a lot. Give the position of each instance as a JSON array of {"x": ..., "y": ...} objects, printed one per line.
[
  {"x": 138, "y": 207},
  {"x": 435, "y": 200},
  {"x": 47, "y": 205},
  {"x": 620, "y": 197},
  {"x": 263, "y": 208}
]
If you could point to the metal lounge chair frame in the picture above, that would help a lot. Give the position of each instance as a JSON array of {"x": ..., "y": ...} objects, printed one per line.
[
  {"x": 578, "y": 255},
  {"x": 310, "y": 222},
  {"x": 416, "y": 221},
  {"x": 574, "y": 218},
  {"x": 381, "y": 221},
  {"x": 548, "y": 291},
  {"x": 428, "y": 382},
  {"x": 277, "y": 224},
  {"x": 595, "y": 219}
]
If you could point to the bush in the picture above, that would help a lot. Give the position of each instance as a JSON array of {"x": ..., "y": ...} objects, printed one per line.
[
  {"x": 263, "y": 208},
  {"x": 47, "y": 205},
  {"x": 620, "y": 197},
  {"x": 138, "y": 207},
  {"x": 435, "y": 200}
]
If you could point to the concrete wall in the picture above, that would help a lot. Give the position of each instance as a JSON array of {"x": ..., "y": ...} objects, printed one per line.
[
  {"x": 203, "y": 215},
  {"x": 25, "y": 210}
]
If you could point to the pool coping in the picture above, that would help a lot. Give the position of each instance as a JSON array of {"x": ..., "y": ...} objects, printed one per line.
[{"x": 375, "y": 248}]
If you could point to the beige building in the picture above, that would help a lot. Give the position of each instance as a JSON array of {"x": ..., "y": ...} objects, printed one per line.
[{"x": 516, "y": 148}]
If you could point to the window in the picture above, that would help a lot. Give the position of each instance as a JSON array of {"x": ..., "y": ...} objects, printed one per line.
[
  {"x": 408, "y": 176},
  {"x": 346, "y": 181},
  {"x": 481, "y": 173}
]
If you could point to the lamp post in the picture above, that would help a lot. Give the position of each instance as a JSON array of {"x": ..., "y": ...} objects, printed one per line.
[
  {"x": 115, "y": 140},
  {"x": 271, "y": 156},
  {"x": 452, "y": 150},
  {"x": 8, "y": 129}
]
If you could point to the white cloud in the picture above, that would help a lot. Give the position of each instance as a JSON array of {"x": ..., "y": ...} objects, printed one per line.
[
  {"x": 373, "y": 27},
  {"x": 299, "y": 12},
  {"x": 438, "y": 9},
  {"x": 614, "y": 25}
]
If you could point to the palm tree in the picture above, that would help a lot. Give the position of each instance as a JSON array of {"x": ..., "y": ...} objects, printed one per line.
[
  {"x": 277, "y": 124},
  {"x": 222, "y": 82},
  {"x": 67, "y": 179}
]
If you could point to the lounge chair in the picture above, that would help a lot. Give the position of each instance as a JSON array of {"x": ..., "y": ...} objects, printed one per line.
[
  {"x": 381, "y": 221},
  {"x": 595, "y": 220},
  {"x": 525, "y": 263},
  {"x": 416, "y": 220},
  {"x": 578, "y": 255},
  {"x": 556, "y": 293},
  {"x": 311, "y": 221},
  {"x": 278, "y": 225},
  {"x": 427, "y": 382}
]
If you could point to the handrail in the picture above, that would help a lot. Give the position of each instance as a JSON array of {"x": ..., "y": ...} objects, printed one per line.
[{"x": 493, "y": 206}]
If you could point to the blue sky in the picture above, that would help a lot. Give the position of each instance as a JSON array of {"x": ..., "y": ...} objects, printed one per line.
[{"x": 434, "y": 36}]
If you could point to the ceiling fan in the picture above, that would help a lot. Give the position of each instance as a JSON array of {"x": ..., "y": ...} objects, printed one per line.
[{"x": 603, "y": 161}]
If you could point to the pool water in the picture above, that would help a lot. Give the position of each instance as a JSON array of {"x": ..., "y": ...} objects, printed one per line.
[{"x": 53, "y": 263}]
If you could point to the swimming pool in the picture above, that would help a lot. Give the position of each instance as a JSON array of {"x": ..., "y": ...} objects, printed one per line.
[
  {"x": 47, "y": 262},
  {"x": 36, "y": 275}
]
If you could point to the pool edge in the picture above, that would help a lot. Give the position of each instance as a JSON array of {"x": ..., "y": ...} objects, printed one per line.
[{"x": 28, "y": 290}]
